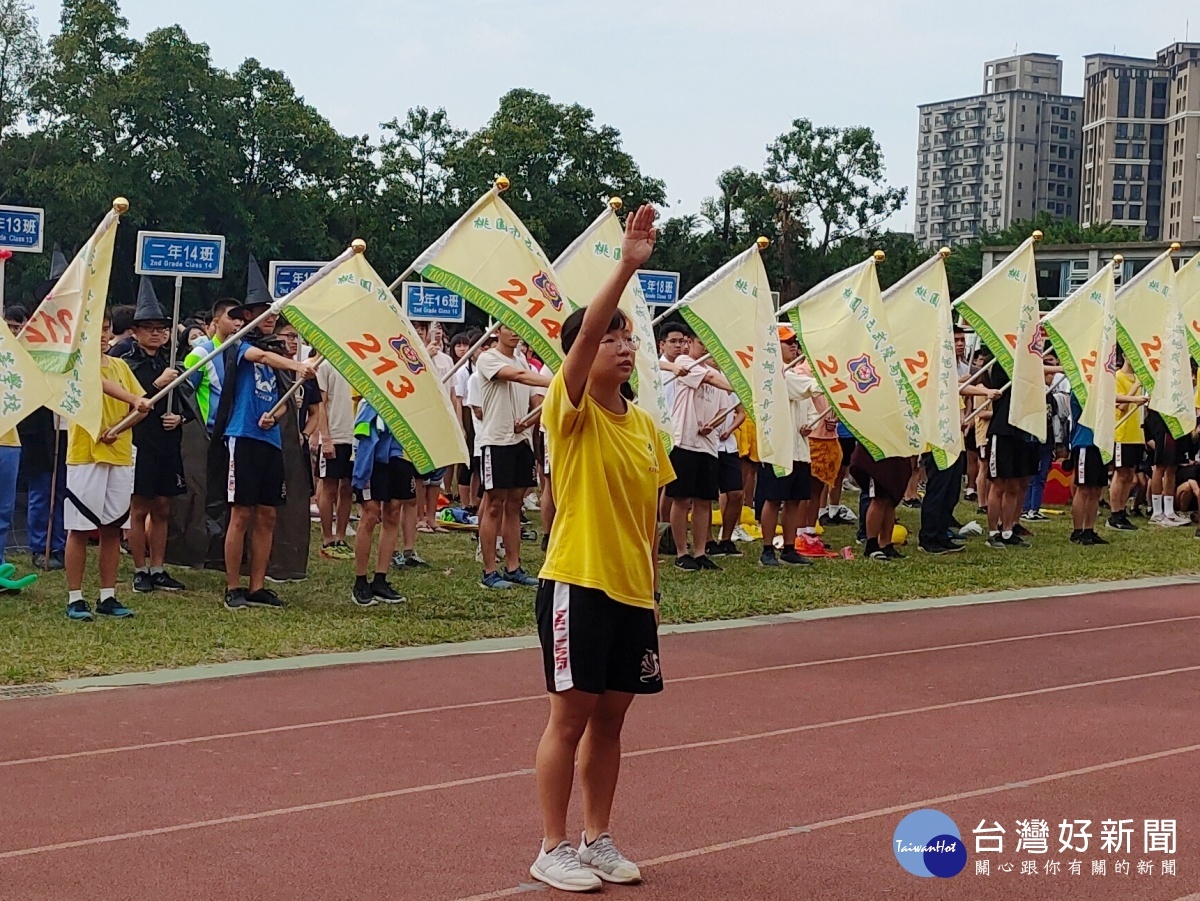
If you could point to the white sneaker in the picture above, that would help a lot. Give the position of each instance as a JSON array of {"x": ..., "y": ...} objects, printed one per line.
[
  {"x": 530, "y": 503},
  {"x": 740, "y": 535},
  {"x": 1174, "y": 521},
  {"x": 1157, "y": 519},
  {"x": 603, "y": 858},
  {"x": 846, "y": 513},
  {"x": 561, "y": 869}
]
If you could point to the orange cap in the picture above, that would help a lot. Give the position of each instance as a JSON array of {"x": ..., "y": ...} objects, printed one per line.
[{"x": 786, "y": 333}]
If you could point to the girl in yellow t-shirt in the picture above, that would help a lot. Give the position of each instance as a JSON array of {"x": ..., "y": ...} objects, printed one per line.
[{"x": 597, "y": 602}]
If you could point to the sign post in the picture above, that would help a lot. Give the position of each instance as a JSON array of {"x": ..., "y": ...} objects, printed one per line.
[
  {"x": 285, "y": 276},
  {"x": 422, "y": 301},
  {"x": 21, "y": 229},
  {"x": 180, "y": 255}
]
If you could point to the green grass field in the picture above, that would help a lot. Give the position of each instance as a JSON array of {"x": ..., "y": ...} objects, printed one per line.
[{"x": 446, "y": 602}]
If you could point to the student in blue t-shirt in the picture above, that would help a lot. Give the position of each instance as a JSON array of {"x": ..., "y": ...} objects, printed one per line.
[
  {"x": 1091, "y": 474},
  {"x": 255, "y": 485}
]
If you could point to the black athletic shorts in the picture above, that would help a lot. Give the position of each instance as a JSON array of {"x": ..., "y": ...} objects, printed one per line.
[
  {"x": 1012, "y": 457},
  {"x": 1167, "y": 451},
  {"x": 508, "y": 466},
  {"x": 969, "y": 443},
  {"x": 339, "y": 466},
  {"x": 697, "y": 475},
  {"x": 595, "y": 644},
  {"x": 256, "y": 477},
  {"x": 795, "y": 486},
  {"x": 848, "y": 445},
  {"x": 1090, "y": 469},
  {"x": 394, "y": 480},
  {"x": 1129, "y": 456},
  {"x": 158, "y": 472},
  {"x": 886, "y": 479},
  {"x": 729, "y": 471}
]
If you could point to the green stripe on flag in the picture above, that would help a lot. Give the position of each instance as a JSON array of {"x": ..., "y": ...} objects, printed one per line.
[
  {"x": 497, "y": 309},
  {"x": 350, "y": 369},
  {"x": 1066, "y": 359},
  {"x": 1130, "y": 349},
  {"x": 995, "y": 343},
  {"x": 55, "y": 361},
  {"x": 724, "y": 360}
]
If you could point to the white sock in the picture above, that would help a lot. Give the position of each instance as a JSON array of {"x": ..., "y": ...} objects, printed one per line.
[
  {"x": 1156, "y": 504},
  {"x": 154, "y": 570},
  {"x": 74, "y": 597},
  {"x": 1168, "y": 504},
  {"x": 142, "y": 569},
  {"x": 993, "y": 534},
  {"x": 1006, "y": 534},
  {"x": 106, "y": 593}
]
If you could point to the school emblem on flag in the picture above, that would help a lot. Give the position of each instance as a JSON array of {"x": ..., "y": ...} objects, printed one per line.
[
  {"x": 863, "y": 373},
  {"x": 404, "y": 350}
]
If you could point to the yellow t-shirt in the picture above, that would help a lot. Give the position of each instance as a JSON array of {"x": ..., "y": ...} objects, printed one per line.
[
  {"x": 10, "y": 439},
  {"x": 80, "y": 446},
  {"x": 607, "y": 470},
  {"x": 1129, "y": 431}
]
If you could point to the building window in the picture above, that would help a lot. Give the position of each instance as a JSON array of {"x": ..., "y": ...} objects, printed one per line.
[
  {"x": 1122, "y": 130},
  {"x": 1135, "y": 172},
  {"x": 1119, "y": 170},
  {"x": 1135, "y": 192},
  {"x": 1118, "y": 192},
  {"x": 1139, "y": 151},
  {"x": 1135, "y": 211},
  {"x": 1122, "y": 151},
  {"x": 1118, "y": 211}
]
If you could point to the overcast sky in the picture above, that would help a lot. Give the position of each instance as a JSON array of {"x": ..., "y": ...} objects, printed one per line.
[{"x": 694, "y": 86}]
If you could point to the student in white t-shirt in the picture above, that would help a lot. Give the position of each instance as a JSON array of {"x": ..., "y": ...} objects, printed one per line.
[
  {"x": 458, "y": 396},
  {"x": 335, "y": 465},
  {"x": 507, "y": 459}
]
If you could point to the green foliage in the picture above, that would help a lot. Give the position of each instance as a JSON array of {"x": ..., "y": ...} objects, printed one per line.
[{"x": 20, "y": 60}]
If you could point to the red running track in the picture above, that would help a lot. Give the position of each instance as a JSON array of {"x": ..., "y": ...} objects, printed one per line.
[{"x": 776, "y": 765}]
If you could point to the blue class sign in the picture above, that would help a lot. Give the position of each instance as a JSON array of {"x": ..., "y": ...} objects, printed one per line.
[
  {"x": 285, "y": 276},
  {"x": 433, "y": 302},
  {"x": 661, "y": 289},
  {"x": 21, "y": 228},
  {"x": 169, "y": 253}
]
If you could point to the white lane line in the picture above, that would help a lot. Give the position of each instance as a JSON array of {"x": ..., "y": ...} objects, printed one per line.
[
  {"x": 883, "y": 812},
  {"x": 366, "y": 718},
  {"x": 496, "y": 777}
]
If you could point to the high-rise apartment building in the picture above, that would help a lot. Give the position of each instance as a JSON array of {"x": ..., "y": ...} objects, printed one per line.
[
  {"x": 1141, "y": 142},
  {"x": 997, "y": 157}
]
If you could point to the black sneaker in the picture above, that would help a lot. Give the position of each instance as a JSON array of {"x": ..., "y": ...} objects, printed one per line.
[
  {"x": 729, "y": 549},
  {"x": 878, "y": 556},
  {"x": 995, "y": 541},
  {"x": 80, "y": 612},
  {"x": 687, "y": 563},
  {"x": 382, "y": 591},
  {"x": 933, "y": 549},
  {"x": 793, "y": 557},
  {"x": 412, "y": 561},
  {"x": 666, "y": 544},
  {"x": 143, "y": 582},
  {"x": 1021, "y": 532},
  {"x": 1091, "y": 538},
  {"x": 265, "y": 597},
  {"x": 953, "y": 546},
  {"x": 704, "y": 563},
  {"x": 768, "y": 558},
  {"x": 713, "y": 549},
  {"x": 1076, "y": 536},
  {"x": 892, "y": 553},
  {"x": 235, "y": 599},
  {"x": 363, "y": 595},
  {"x": 1015, "y": 540},
  {"x": 912, "y": 502},
  {"x": 1120, "y": 522},
  {"x": 164, "y": 582},
  {"x": 114, "y": 608}
]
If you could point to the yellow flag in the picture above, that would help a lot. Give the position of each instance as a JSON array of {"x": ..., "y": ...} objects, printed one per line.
[
  {"x": 351, "y": 318},
  {"x": 489, "y": 257},
  {"x": 1151, "y": 331},
  {"x": 63, "y": 333},
  {"x": 842, "y": 326},
  {"x": 1187, "y": 283},
  {"x": 23, "y": 387},
  {"x": 922, "y": 330},
  {"x": 1002, "y": 307},
  {"x": 731, "y": 311},
  {"x": 1083, "y": 332},
  {"x": 582, "y": 269}
]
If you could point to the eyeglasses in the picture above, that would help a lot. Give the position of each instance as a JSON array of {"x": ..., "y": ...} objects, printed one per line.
[
  {"x": 165, "y": 329},
  {"x": 633, "y": 342}
]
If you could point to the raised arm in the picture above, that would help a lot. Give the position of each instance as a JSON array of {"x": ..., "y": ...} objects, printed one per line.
[{"x": 636, "y": 247}]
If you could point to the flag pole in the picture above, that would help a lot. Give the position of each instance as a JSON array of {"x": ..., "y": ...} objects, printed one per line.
[
  {"x": 1035, "y": 237},
  {"x": 879, "y": 256},
  {"x": 291, "y": 392},
  {"x": 498, "y": 187},
  {"x": 762, "y": 243},
  {"x": 356, "y": 247},
  {"x": 466, "y": 357}
]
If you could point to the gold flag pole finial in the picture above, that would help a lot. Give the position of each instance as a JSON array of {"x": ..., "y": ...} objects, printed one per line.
[
  {"x": 615, "y": 203},
  {"x": 358, "y": 245},
  {"x": 502, "y": 183},
  {"x": 1176, "y": 247},
  {"x": 879, "y": 256},
  {"x": 1037, "y": 235},
  {"x": 120, "y": 205},
  {"x": 762, "y": 242},
  {"x": 1118, "y": 259},
  {"x": 944, "y": 252}
]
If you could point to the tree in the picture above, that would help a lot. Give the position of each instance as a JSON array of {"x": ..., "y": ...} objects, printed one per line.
[
  {"x": 562, "y": 165},
  {"x": 20, "y": 60},
  {"x": 837, "y": 176}
]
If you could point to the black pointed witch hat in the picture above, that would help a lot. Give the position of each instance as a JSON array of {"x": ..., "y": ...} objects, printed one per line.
[{"x": 148, "y": 308}]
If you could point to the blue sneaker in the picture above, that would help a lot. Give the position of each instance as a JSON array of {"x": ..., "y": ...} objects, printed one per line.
[
  {"x": 519, "y": 577},
  {"x": 113, "y": 607},
  {"x": 80, "y": 611},
  {"x": 496, "y": 581}
]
